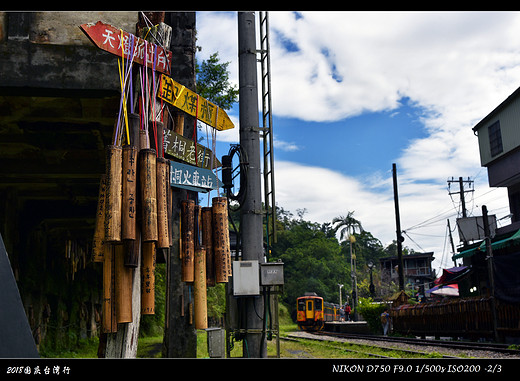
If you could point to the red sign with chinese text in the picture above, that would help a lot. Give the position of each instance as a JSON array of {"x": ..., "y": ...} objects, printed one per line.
[{"x": 119, "y": 42}]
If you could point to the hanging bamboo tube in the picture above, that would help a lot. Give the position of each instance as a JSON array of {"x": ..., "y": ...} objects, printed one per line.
[
  {"x": 148, "y": 279},
  {"x": 221, "y": 247},
  {"x": 144, "y": 140},
  {"x": 148, "y": 184},
  {"x": 199, "y": 289},
  {"x": 109, "y": 322},
  {"x": 188, "y": 239},
  {"x": 197, "y": 228},
  {"x": 159, "y": 126},
  {"x": 99, "y": 230},
  {"x": 163, "y": 169},
  {"x": 133, "y": 125},
  {"x": 207, "y": 242},
  {"x": 123, "y": 286},
  {"x": 113, "y": 194},
  {"x": 131, "y": 250},
  {"x": 128, "y": 220}
]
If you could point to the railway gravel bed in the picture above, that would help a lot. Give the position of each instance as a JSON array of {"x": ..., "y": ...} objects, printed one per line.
[{"x": 444, "y": 351}]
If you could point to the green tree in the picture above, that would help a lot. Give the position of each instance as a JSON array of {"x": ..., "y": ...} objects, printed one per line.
[
  {"x": 346, "y": 225},
  {"x": 312, "y": 260},
  {"x": 213, "y": 82}
]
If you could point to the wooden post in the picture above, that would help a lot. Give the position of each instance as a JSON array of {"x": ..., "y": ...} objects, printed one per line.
[
  {"x": 148, "y": 183},
  {"x": 113, "y": 194},
  {"x": 109, "y": 322},
  {"x": 123, "y": 343},
  {"x": 170, "y": 212},
  {"x": 180, "y": 339},
  {"x": 188, "y": 239},
  {"x": 207, "y": 242},
  {"x": 221, "y": 246},
  {"x": 179, "y": 123},
  {"x": 99, "y": 230},
  {"x": 199, "y": 289}
]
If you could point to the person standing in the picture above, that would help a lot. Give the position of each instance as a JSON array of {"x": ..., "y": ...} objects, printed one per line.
[
  {"x": 385, "y": 321},
  {"x": 347, "y": 312}
]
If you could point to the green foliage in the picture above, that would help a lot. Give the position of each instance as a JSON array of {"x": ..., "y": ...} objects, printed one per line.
[
  {"x": 213, "y": 82},
  {"x": 315, "y": 261},
  {"x": 371, "y": 313},
  {"x": 312, "y": 260},
  {"x": 216, "y": 297}
]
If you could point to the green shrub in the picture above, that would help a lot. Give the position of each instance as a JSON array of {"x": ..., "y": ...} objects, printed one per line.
[{"x": 371, "y": 313}]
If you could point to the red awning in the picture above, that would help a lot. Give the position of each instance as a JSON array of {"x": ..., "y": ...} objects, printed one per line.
[{"x": 452, "y": 274}]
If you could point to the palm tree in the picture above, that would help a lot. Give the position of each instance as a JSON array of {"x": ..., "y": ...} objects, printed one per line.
[{"x": 347, "y": 226}]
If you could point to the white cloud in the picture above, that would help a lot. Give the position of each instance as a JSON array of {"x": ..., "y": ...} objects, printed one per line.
[
  {"x": 424, "y": 208},
  {"x": 328, "y": 66},
  {"x": 285, "y": 146}
]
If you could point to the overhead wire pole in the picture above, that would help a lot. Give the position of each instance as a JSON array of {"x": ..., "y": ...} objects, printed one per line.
[
  {"x": 400, "y": 238},
  {"x": 491, "y": 271},
  {"x": 251, "y": 211},
  {"x": 461, "y": 192}
]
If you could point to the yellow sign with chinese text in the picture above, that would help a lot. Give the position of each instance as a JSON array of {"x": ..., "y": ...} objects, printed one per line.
[{"x": 193, "y": 104}]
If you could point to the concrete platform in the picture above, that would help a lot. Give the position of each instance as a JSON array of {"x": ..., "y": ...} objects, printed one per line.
[{"x": 347, "y": 327}]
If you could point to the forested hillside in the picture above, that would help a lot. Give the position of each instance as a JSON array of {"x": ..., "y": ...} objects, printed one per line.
[{"x": 317, "y": 257}]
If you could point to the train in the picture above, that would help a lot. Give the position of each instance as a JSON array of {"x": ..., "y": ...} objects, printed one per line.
[{"x": 312, "y": 312}]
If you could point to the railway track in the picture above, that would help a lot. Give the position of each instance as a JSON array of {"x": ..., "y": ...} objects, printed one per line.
[
  {"x": 323, "y": 339},
  {"x": 461, "y": 345},
  {"x": 353, "y": 351}
]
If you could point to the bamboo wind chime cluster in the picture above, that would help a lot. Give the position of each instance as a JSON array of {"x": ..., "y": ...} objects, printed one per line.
[
  {"x": 134, "y": 212},
  {"x": 205, "y": 251},
  {"x": 133, "y": 215}
]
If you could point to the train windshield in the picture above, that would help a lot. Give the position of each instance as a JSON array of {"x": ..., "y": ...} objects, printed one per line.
[
  {"x": 318, "y": 304},
  {"x": 301, "y": 305}
]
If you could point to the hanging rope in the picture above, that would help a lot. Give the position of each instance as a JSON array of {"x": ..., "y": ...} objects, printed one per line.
[
  {"x": 154, "y": 95},
  {"x": 195, "y": 129},
  {"x": 125, "y": 80}
]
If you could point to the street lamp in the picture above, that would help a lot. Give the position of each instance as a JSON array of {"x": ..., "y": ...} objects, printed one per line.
[
  {"x": 372, "y": 289},
  {"x": 340, "y": 286}
]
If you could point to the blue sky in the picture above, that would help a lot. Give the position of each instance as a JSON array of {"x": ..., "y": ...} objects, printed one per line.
[
  {"x": 342, "y": 145},
  {"x": 354, "y": 92}
]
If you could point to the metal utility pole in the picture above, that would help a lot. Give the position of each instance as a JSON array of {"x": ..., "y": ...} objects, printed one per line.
[
  {"x": 461, "y": 192},
  {"x": 489, "y": 258},
  {"x": 451, "y": 242},
  {"x": 400, "y": 238},
  {"x": 251, "y": 211}
]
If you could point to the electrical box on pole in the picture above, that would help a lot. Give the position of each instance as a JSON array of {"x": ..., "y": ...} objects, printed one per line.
[{"x": 246, "y": 279}]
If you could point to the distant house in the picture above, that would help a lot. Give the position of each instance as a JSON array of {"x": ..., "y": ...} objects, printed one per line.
[
  {"x": 499, "y": 143},
  {"x": 417, "y": 270}
]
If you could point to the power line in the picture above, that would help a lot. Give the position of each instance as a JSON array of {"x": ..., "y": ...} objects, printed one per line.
[{"x": 438, "y": 217}]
